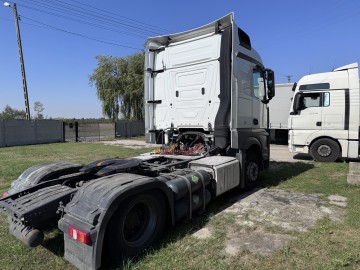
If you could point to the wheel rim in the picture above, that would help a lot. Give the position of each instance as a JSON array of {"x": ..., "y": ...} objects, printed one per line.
[
  {"x": 139, "y": 224},
  {"x": 252, "y": 171},
  {"x": 324, "y": 150}
]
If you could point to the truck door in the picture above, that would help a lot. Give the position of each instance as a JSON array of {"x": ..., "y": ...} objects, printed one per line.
[
  {"x": 258, "y": 107},
  {"x": 162, "y": 97},
  {"x": 333, "y": 112},
  {"x": 309, "y": 117}
]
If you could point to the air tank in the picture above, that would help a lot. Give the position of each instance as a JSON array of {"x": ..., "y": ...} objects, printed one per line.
[
  {"x": 182, "y": 206},
  {"x": 179, "y": 185}
]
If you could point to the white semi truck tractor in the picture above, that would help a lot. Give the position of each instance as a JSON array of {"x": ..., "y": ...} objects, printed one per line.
[
  {"x": 206, "y": 95},
  {"x": 324, "y": 117}
]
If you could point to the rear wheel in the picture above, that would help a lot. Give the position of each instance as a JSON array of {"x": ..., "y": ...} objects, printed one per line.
[
  {"x": 325, "y": 150},
  {"x": 252, "y": 170},
  {"x": 137, "y": 223}
]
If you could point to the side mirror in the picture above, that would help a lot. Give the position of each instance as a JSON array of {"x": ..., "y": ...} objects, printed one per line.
[{"x": 270, "y": 83}]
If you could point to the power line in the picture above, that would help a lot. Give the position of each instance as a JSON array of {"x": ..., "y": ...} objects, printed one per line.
[
  {"x": 76, "y": 13},
  {"x": 117, "y": 15},
  {"x": 46, "y": 27},
  {"x": 86, "y": 22},
  {"x": 83, "y": 14},
  {"x": 80, "y": 35}
]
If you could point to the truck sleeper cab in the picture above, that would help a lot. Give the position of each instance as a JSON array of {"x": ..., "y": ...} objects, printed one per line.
[
  {"x": 209, "y": 80},
  {"x": 206, "y": 92},
  {"x": 324, "y": 117}
]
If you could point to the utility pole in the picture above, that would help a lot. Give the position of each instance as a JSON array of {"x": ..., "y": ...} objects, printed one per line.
[
  {"x": 289, "y": 78},
  {"x": 26, "y": 98}
]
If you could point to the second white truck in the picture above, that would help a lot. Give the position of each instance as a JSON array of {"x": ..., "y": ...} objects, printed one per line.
[{"x": 324, "y": 117}]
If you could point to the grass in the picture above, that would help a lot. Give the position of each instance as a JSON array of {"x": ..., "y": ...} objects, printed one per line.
[
  {"x": 326, "y": 246},
  {"x": 14, "y": 160}
]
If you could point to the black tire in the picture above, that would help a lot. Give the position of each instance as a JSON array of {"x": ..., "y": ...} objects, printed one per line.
[
  {"x": 136, "y": 225},
  {"x": 252, "y": 170},
  {"x": 325, "y": 150}
]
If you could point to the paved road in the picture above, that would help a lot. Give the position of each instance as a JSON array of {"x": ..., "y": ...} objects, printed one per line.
[{"x": 281, "y": 153}]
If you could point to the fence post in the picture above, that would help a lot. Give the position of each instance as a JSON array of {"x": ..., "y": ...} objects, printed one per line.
[
  {"x": 76, "y": 131},
  {"x": 35, "y": 131},
  {"x": 128, "y": 129},
  {"x": 2, "y": 130},
  {"x": 63, "y": 131},
  {"x": 99, "y": 131}
]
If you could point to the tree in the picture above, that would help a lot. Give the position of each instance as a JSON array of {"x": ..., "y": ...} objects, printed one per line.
[
  {"x": 10, "y": 113},
  {"x": 119, "y": 85},
  {"x": 39, "y": 108}
]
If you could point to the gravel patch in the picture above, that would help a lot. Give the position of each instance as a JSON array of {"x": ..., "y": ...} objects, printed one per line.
[
  {"x": 268, "y": 219},
  {"x": 202, "y": 233},
  {"x": 134, "y": 144}
]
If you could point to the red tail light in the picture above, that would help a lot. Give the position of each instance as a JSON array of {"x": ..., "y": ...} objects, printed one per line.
[{"x": 79, "y": 235}]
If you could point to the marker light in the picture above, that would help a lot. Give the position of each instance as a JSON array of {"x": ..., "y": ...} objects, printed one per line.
[{"x": 79, "y": 235}]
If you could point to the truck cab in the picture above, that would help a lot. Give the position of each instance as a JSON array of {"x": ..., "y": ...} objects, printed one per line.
[
  {"x": 324, "y": 115},
  {"x": 209, "y": 80}
]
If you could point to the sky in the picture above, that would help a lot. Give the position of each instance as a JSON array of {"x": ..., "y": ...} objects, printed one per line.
[{"x": 61, "y": 39}]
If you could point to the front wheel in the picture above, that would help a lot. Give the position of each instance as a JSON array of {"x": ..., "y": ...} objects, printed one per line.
[
  {"x": 252, "y": 170},
  {"x": 325, "y": 150},
  {"x": 137, "y": 223}
]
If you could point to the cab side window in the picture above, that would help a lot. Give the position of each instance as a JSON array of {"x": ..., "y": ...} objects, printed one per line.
[
  {"x": 258, "y": 85},
  {"x": 309, "y": 100},
  {"x": 326, "y": 99}
]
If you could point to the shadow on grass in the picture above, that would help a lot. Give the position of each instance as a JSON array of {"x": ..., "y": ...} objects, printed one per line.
[
  {"x": 282, "y": 171},
  {"x": 54, "y": 239},
  {"x": 278, "y": 172},
  {"x": 302, "y": 156}
]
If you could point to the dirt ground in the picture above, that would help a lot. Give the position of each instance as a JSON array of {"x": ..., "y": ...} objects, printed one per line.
[
  {"x": 281, "y": 153},
  {"x": 267, "y": 219}
]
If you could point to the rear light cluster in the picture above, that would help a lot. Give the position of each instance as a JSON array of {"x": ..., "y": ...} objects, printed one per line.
[{"x": 79, "y": 235}]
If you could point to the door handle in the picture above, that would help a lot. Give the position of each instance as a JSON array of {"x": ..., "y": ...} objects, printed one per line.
[
  {"x": 318, "y": 124},
  {"x": 255, "y": 121}
]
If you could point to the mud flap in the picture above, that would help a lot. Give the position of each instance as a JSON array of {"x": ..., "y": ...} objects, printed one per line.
[{"x": 92, "y": 208}]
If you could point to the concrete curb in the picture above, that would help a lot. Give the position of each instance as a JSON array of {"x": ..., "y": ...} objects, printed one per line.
[{"x": 353, "y": 178}]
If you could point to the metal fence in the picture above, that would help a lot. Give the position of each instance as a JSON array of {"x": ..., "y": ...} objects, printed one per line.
[
  {"x": 89, "y": 131},
  {"x": 24, "y": 132},
  {"x": 126, "y": 129}
]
